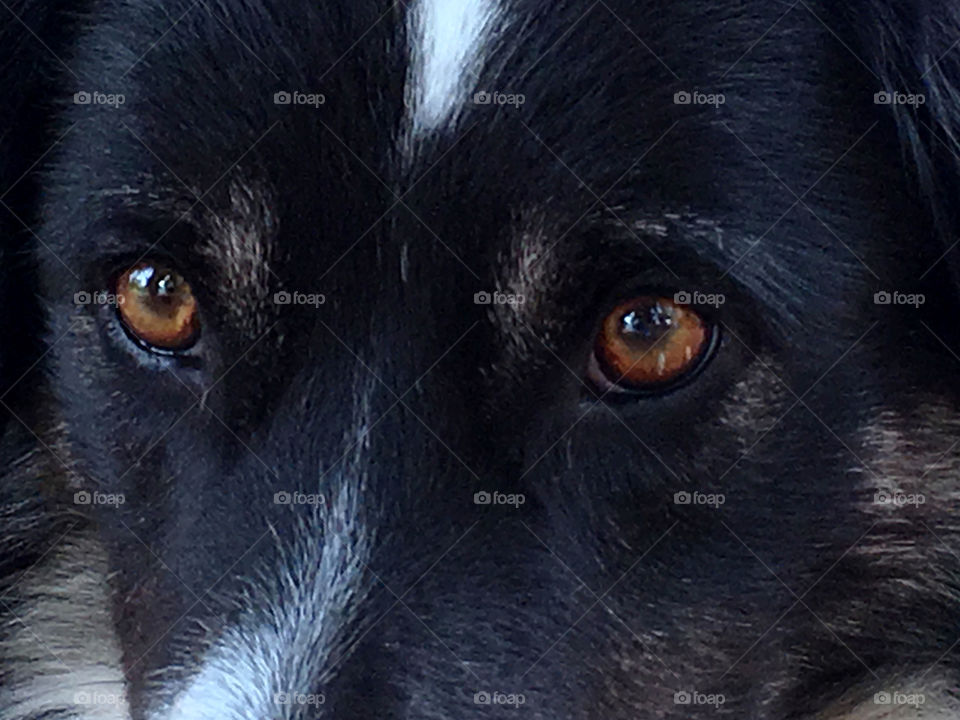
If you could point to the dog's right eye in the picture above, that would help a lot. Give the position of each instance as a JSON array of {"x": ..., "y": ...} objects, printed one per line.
[
  {"x": 157, "y": 307},
  {"x": 648, "y": 345}
]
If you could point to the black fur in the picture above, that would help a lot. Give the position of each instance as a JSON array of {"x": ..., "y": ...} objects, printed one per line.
[{"x": 397, "y": 399}]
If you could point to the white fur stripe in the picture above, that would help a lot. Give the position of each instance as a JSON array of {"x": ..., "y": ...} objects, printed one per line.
[
  {"x": 447, "y": 40},
  {"x": 62, "y": 654},
  {"x": 296, "y": 631}
]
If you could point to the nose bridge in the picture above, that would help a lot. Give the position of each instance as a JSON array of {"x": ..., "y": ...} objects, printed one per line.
[
  {"x": 377, "y": 320},
  {"x": 389, "y": 349},
  {"x": 296, "y": 629},
  {"x": 381, "y": 427},
  {"x": 400, "y": 415},
  {"x": 387, "y": 452}
]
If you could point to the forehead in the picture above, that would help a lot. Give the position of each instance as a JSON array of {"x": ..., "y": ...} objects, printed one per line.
[
  {"x": 398, "y": 87},
  {"x": 471, "y": 129}
]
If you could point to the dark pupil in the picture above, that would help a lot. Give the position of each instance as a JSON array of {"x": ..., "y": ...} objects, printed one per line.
[
  {"x": 646, "y": 324},
  {"x": 164, "y": 284},
  {"x": 167, "y": 285}
]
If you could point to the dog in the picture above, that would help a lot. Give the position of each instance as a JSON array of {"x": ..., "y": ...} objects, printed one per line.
[{"x": 437, "y": 359}]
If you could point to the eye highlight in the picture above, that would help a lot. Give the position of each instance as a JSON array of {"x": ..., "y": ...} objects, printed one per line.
[
  {"x": 649, "y": 344},
  {"x": 157, "y": 307}
]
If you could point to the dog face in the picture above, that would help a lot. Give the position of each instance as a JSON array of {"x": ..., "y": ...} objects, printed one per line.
[{"x": 430, "y": 361}]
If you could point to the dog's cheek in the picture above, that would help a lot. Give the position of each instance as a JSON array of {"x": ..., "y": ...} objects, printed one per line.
[
  {"x": 111, "y": 414},
  {"x": 929, "y": 697},
  {"x": 906, "y": 484},
  {"x": 754, "y": 405}
]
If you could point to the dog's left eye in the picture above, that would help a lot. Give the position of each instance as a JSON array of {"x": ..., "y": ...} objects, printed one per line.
[
  {"x": 157, "y": 307},
  {"x": 649, "y": 344}
]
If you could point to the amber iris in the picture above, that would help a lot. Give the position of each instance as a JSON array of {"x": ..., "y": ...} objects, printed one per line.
[
  {"x": 157, "y": 306},
  {"x": 651, "y": 342}
]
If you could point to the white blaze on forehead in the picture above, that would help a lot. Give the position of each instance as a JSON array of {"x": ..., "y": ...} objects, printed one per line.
[{"x": 447, "y": 40}]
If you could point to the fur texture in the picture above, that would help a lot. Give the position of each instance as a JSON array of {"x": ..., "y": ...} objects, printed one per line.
[{"x": 303, "y": 531}]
